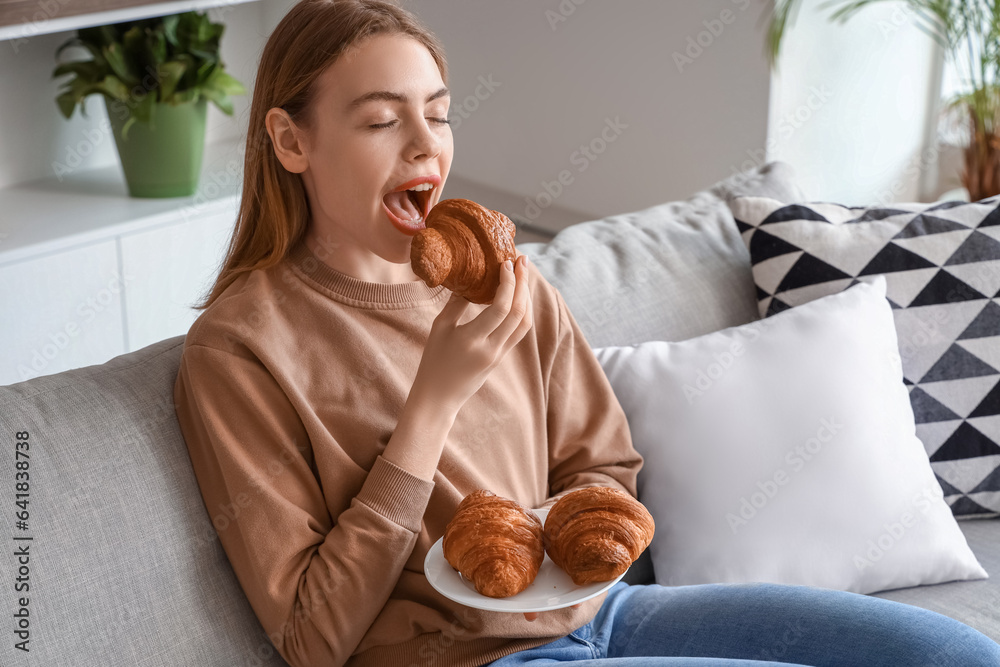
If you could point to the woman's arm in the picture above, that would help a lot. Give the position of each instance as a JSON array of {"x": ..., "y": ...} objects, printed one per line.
[
  {"x": 316, "y": 583},
  {"x": 589, "y": 439}
]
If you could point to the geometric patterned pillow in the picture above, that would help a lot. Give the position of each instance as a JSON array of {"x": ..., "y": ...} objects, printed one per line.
[{"x": 941, "y": 263}]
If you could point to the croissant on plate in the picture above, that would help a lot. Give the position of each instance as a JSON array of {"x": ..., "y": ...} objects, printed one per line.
[
  {"x": 463, "y": 247},
  {"x": 596, "y": 533},
  {"x": 495, "y": 542}
]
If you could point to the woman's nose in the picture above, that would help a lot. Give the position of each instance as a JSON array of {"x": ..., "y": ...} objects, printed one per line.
[{"x": 425, "y": 142}]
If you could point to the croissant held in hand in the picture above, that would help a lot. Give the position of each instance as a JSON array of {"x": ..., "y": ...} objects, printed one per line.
[
  {"x": 496, "y": 543},
  {"x": 462, "y": 247},
  {"x": 596, "y": 533}
]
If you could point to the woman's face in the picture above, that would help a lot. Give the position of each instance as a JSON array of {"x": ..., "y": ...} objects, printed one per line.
[{"x": 378, "y": 123}]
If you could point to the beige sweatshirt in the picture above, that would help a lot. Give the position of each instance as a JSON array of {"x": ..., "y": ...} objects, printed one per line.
[{"x": 290, "y": 386}]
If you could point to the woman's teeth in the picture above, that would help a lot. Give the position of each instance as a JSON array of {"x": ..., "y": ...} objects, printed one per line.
[{"x": 422, "y": 187}]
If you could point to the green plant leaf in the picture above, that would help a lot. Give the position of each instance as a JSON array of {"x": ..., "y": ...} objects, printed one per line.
[
  {"x": 220, "y": 99},
  {"x": 99, "y": 36},
  {"x": 141, "y": 113},
  {"x": 226, "y": 83},
  {"x": 157, "y": 44},
  {"x": 87, "y": 70},
  {"x": 170, "y": 29},
  {"x": 115, "y": 56},
  {"x": 113, "y": 87},
  {"x": 170, "y": 74},
  {"x": 205, "y": 72},
  {"x": 190, "y": 95},
  {"x": 66, "y": 102},
  {"x": 173, "y": 59}
]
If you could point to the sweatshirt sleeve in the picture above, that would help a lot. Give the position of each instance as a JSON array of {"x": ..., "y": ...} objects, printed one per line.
[
  {"x": 315, "y": 582},
  {"x": 589, "y": 439}
]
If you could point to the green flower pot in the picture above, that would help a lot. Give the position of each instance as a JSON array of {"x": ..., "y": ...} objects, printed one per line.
[{"x": 163, "y": 159}]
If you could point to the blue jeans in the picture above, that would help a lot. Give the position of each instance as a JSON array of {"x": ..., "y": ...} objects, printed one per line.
[{"x": 761, "y": 625}]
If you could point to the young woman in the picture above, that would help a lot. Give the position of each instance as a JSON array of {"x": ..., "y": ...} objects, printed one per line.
[{"x": 337, "y": 410}]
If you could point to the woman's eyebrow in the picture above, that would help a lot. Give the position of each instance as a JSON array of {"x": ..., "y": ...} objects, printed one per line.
[{"x": 389, "y": 96}]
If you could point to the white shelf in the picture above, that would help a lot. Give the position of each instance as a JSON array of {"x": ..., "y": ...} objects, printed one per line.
[
  {"x": 45, "y": 216},
  {"x": 62, "y": 24}
]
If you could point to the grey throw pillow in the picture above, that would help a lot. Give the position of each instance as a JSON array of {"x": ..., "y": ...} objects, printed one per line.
[{"x": 670, "y": 272}]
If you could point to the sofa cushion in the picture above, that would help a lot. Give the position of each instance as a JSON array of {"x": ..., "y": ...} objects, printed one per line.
[
  {"x": 941, "y": 262},
  {"x": 975, "y": 603},
  {"x": 669, "y": 272},
  {"x": 125, "y": 567}
]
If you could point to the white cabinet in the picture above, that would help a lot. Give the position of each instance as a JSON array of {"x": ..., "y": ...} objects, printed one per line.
[
  {"x": 60, "y": 311},
  {"x": 169, "y": 269},
  {"x": 88, "y": 273}
]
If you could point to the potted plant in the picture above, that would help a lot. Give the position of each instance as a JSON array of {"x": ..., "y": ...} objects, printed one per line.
[
  {"x": 156, "y": 76},
  {"x": 959, "y": 26}
]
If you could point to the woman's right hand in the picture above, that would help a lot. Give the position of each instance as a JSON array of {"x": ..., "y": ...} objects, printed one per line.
[{"x": 458, "y": 357}]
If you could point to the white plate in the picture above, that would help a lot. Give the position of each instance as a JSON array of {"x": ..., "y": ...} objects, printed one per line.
[{"x": 551, "y": 589}]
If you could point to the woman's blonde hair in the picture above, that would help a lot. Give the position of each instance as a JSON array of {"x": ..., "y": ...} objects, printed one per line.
[{"x": 274, "y": 208}]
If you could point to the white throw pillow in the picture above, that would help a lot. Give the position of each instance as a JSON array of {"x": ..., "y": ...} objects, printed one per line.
[{"x": 784, "y": 450}]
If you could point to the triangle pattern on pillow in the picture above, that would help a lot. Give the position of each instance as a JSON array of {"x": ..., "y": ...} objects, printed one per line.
[
  {"x": 987, "y": 349},
  {"x": 792, "y": 212},
  {"x": 987, "y": 323},
  {"x": 923, "y": 225},
  {"x": 904, "y": 286},
  {"x": 776, "y": 306},
  {"x": 956, "y": 363},
  {"x": 965, "y": 506},
  {"x": 809, "y": 270},
  {"x": 990, "y": 405},
  {"x": 867, "y": 215},
  {"x": 989, "y": 483},
  {"x": 948, "y": 489},
  {"x": 978, "y": 247},
  {"x": 935, "y": 249},
  {"x": 980, "y": 276},
  {"x": 992, "y": 218},
  {"x": 894, "y": 257},
  {"x": 966, "y": 442},
  {"x": 961, "y": 396},
  {"x": 946, "y": 288},
  {"x": 764, "y": 246},
  {"x": 926, "y": 408}
]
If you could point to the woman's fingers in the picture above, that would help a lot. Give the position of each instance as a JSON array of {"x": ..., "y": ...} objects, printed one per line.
[
  {"x": 505, "y": 294},
  {"x": 517, "y": 309}
]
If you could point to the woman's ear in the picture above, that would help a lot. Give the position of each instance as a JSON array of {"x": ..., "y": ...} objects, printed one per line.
[{"x": 288, "y": 140}]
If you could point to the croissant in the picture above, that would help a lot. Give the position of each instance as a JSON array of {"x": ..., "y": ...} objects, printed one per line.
[
  {"x": 595, "y": 533},
  {"x": 495, "y": 542},
  {"x": 462, "y": 247}
]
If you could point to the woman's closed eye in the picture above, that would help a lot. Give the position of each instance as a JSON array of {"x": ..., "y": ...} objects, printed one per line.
[{"x": 379, "y": 126}]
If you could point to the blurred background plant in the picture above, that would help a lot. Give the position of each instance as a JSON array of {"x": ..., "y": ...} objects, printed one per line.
[
  {"x": 169, "y": 59},
  {"x": 960, "y": 27}
]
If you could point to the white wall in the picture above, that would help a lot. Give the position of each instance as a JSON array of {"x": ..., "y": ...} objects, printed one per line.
[
  {"x": 853, "y": 104},
  {"x": 560, "y": 80}
]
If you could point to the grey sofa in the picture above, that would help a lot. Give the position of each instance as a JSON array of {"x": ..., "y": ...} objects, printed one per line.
[{"x": 124, "y": 566}]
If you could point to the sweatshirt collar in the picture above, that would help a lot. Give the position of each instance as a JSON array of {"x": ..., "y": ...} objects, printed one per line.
[{"x": 313, "y": 269}]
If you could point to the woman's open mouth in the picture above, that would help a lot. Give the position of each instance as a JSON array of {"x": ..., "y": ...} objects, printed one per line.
[{"x": 408, "y": 208}]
